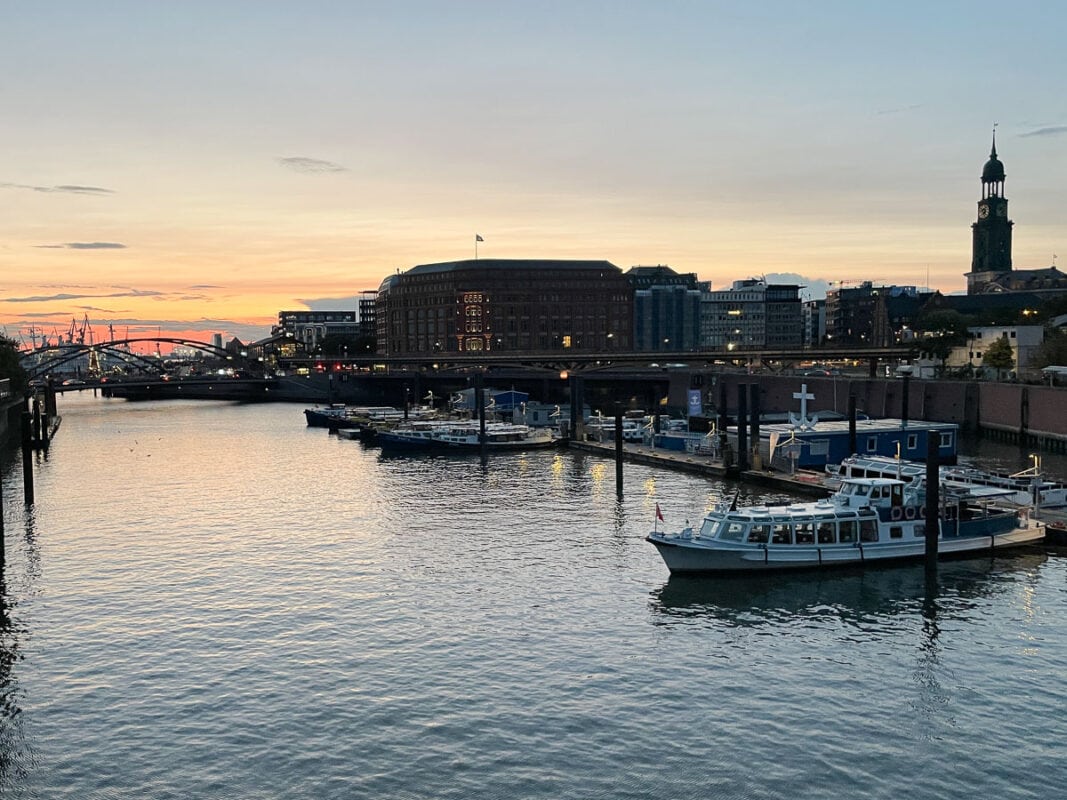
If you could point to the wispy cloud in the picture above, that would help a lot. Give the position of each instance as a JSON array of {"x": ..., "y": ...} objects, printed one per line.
[
  {"x": 204, "y": 286},
  {"x": 64, "y": 188},
  {"x": 310, "y": 165},
  {"x": 66, "y": 296},
  {"x": 899, "y": 110},
  {"x": 84, "y": 246},
  {"x": 1056, "y": 130}
]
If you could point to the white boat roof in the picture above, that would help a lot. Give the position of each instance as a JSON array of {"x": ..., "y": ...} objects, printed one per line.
[{"x": 979, "y": 492}]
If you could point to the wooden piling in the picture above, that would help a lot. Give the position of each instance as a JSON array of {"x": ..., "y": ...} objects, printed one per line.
[
  {"x": 618, "y": 450},
  {"x": 742, "y": 426},
  {"x": 933, "y": 485},
  {"x": 851, "y": 423},
  {"x": 27, "y": 456},
  {"x": 754, "y": 412}
]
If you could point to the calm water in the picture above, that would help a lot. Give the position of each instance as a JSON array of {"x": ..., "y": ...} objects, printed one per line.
[{"x": 213, "y": 601}]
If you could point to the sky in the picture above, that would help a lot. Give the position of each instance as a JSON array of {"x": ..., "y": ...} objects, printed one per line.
[{"x": 191, "y": 168}]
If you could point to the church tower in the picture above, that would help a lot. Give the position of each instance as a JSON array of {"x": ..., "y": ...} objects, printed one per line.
[{"x": 991, "y": 243}]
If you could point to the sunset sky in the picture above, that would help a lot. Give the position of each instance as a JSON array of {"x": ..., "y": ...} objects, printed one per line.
[{"x": 197, "y": 166}]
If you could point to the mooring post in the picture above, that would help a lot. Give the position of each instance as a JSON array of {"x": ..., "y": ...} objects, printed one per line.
[
  {"x": 722, "y": 420},
  {"x": 27, "y": 456},
  {"x": 851, "y": 424},
  {"x": 618, "y": 450},
  {"x": 51, "y": 408},
  {"x": 933, "y": 479},
  {"x": 742, "y": 426},
  {"x": 904, "y": 403},
  {"x": 753, "y": 407},
  {"x": 40, "y": 428},
  {"x": 479, "y": 402}
]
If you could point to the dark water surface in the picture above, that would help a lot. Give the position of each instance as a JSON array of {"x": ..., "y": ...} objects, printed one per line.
[{"x": 213, "y": 601}]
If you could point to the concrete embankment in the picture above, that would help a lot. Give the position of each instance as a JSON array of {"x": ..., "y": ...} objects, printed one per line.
[
  {"x": 802, "y": 482},
  {"x": 1016, "y": 412}
]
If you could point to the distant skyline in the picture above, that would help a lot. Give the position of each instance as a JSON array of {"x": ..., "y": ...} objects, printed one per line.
[{"x": 197, "y": 167}]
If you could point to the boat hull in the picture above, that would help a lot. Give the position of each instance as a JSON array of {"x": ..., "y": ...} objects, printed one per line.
[
  {"x": 688, "y": 556},
  {"x": 390, "y": 442}
]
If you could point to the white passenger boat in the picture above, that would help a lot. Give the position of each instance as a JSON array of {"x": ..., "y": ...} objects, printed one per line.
[
  {"x": 1026, "y": 488},
  {"x": 465, "y": 436},
  {"x": 867, "y": 520}
]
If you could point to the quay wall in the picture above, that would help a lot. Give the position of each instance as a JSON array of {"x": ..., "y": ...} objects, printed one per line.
[
  {"x": 1016, "y": 412},
  {"x": 1023, "y": 413}
]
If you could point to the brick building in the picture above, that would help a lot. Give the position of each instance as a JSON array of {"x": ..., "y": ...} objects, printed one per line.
[{"x": 505, "y": 305}]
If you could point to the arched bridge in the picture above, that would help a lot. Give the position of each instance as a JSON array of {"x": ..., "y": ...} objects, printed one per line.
[{"x": 43, "y": 360}]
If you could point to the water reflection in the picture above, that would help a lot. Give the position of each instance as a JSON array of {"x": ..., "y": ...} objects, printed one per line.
[
  {"x": 855, "y": 597},
  {"x": 12, "y": 741}
]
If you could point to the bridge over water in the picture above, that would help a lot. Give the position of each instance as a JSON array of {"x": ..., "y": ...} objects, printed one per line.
[{"x": 42, "y": 361}]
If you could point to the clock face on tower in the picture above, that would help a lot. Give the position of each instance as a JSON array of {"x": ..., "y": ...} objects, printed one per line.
[{"x": 983, "y": 212}]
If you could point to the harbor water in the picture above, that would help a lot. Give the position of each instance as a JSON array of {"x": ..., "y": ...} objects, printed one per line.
[{"x": 211, "y": 600}]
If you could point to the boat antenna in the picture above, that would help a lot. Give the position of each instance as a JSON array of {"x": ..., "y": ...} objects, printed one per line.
[{"x": 733, "y": 503}]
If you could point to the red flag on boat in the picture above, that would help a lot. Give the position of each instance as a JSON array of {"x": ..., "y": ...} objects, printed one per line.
[{"x": 659, "y": 514}]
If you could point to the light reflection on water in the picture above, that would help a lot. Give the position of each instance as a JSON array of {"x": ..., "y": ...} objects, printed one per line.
[{"x": 211, "y": 600}]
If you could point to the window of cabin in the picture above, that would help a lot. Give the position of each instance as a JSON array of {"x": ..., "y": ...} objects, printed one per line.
[
  {"x": 758, "y": 534},
  {"x": 731, "y": 531},
  {"x": 781, "y": 533},
  {"x": 805, "y": 533},
  {"x": 919, "y": 529},
  {"x": 868, "y": 530},
  {"x": 913, "y": 441},
  {"x": 872, "y": 444},
  {"x": 896, "y": 532},
  {"x": 824, "y": 531},
  {"x": 846, "y": 530}
]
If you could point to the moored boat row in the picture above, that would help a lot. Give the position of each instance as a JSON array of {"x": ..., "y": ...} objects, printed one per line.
[
  {"x": 1026, "y": 488},
  {"x": 867, "y": 520}
]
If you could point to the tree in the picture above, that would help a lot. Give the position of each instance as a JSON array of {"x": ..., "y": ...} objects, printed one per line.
[
  {"x": 941, "y": 331},
  {"x": 1052, "y": 351},
  {"x": 999, "y": 356},
  {"x": 10, "y": 367}
]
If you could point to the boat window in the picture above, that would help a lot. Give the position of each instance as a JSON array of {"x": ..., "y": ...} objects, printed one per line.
[
  {"x": 868, "y": 530},
  {"x": 825, "y": 531},
  {"x": 872, "y": 444},
  {"x": 758, "y": 534},
  {"x": 862, "y": 489},
  {"x": 805, "y": 533},
  {"x": 707, "y": 530},
  {"x": 898, "y": 494},
  {"x": 731, "y": 531},
  {"x": 782, "y": 533},
  {"x": 896, "y": 532},
  {"x": 919, "y": 529},
  {"x": 847, "y": 531},
  {"x": 913, "y": 441}
]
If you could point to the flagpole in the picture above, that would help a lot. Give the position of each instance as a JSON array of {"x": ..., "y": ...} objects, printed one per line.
[{"x": 475, "y": 247}]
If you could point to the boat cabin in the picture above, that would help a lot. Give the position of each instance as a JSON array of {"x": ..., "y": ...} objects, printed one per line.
[
  {"x": 870, "y": 492},
  {"x": 850, "y": 517}
]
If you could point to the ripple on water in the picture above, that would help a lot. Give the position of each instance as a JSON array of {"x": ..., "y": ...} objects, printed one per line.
[{"x": 210, "y": 600}]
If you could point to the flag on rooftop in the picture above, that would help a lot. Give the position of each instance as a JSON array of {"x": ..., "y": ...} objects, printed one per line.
[{"x": 478, "y": 237}]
